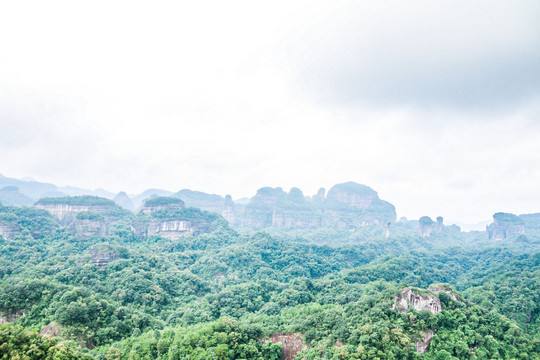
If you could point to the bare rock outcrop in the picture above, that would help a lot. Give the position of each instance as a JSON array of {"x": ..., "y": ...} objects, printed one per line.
[
  {"x": 292, "y": 344},
  {"x": 416, "y": 299},
  {"x": 103, "y": 254},
  {"x": 11, "y": 316},
  {"x": 351, "y": 205},
  {"x": 229, "y": 210},
  {"x": 504, "y": 226},
  {"x": 122, "y": 199},
  {"x": 294, "y": 210},
  {"x": 87, "y": 225},
  {"x": 425, "y": 226},
  {"x": 8, "y": 229},
  {"x": 52, "y": 329},
  {"x": 422, "y": 345},
  {"x": 66, "y": 208}
]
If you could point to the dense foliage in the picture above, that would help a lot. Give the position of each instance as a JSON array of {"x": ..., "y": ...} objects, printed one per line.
[{"x": 220, "y": 295}]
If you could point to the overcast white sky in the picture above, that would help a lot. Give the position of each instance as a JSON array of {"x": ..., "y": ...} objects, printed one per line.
[{"x": 433, "y": 104}]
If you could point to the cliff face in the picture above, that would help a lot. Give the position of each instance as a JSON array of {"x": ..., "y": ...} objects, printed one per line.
[
  {"x": 294, "y": 210},
  {"x": 229, "y": 211},
  {"x": 122, "y": 199},
  {"x": 201, "y": 200},
  {"x": 84, "y": 229},
  {"x": 347, "y": 205},
  {"x": 170, "y": 229},
  {"x": 8, "y": 230},
  {"x": 259, "y": 212},
  {"x": 149, "y": 209},
  {"x": 350, "y": 205},
  {"x": 66, "y": 213},
  {"x": 103, "y": 254},
  {"x": 292, "y": 344},
  {"x": 408, "y": 298},
  {"x": 425, "y": 226},
  {"x": 504, "y": 226}
]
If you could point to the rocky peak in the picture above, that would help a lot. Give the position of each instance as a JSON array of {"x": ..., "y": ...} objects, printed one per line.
[
  {"x": 123, "y": 200},
  {"x": 417, "y": 299},
  {"x": 66, "y": 208},
  {"x": 352, "y": 194},
  {"x": 504, "y": 226},
  {"x": 440, "y": 223},
  {"x": 9, "y": 228},
  {"x": 425, "y": 225},
  {"x": 229, "y": 210}
]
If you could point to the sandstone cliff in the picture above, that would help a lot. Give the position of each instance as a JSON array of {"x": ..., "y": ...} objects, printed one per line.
[
  {"x": 161, "y": 203},
  {"x": 425, "y": 226},
  {"x": 351, "y": 205},
  {"x": 229, "y": 210},
  {"x": 504, "y": 226},
  {"x": 66, "y": 208},
  {"x": 122, "y": 199}
]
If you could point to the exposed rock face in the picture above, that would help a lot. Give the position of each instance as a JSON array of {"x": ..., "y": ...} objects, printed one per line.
[
  {"x": 295, "y": 211},
  {"x": 122, "y": 199},
  {"x": 408, "y": 298},
  {"x": 504, "y": 226},
  {"x": 437, "y": 288},
  {"x": 52, "y": 329},
  {"x": 423, "y": 345},
  {"x": 347, "y": 205},
  {"x": 161, "y": 203},
  {"x": 66, "y": 208},
  {"x": 259, "y": 212},
  {"x": 351, "y": 205},
  {"x": 425, "y": 225},
  {"x": 8, "y": 230},
  {"x": 9, "y": 317},
  {"x": 170, "y": 229},
  {"x": 229, "y": 210},
  {"x": 440, "y": 223},
  {"x": 292, "y": 344},
  {"x": 352, "y": 195},
  {"x": 87, "y": 225},
  {"x": 103, "y": 254},
  {"x": 201, "y": 200}
]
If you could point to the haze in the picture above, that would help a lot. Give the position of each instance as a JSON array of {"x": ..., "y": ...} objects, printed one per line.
[{"x": 435, "y": 105}]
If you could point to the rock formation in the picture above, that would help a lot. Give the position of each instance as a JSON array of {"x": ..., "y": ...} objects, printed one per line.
[
  {"x": 259, "y": 212},
  {"x": 87, "y": 225},
  {"x": 422, "y": 345},
  {"x": 161, "y": 203},
  {"x": 418, "y": 300},
  {"x": 440, "y": 223},
  {"x": 66, "y": 208},
  {"x": 504, "y": 226},
  {"x": 351, "y": 205},
  {"x": 122, "y": 199},
  {"x": 103, "y": 254},
  {"x": 11, "y": 316},
  {"x": 8, "y": 229},
  {"x": 291, "y": 344},
  {"x": 52, "y": 329},
  {"x": 425, "y": 225},
  {"x": 295, "y": 211},
  {"x": 229, "y": 210},
  {"x": 209, "y": 202},
  {"x": 10, "y": 195}
]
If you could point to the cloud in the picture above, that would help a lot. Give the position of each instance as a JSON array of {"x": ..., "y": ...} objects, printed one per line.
[{"x": 475, "y": 56}]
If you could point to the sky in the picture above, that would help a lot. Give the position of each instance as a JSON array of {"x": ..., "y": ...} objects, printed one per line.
[{"x": 435, "y": 105}]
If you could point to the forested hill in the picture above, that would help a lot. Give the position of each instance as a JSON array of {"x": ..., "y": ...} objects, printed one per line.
[{"x": 105, "y": 284}]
